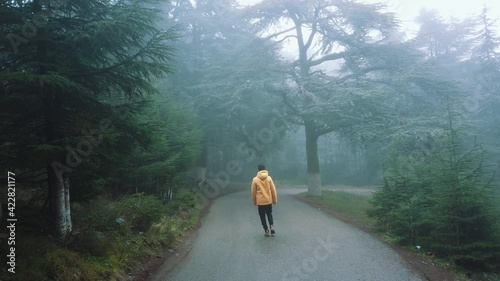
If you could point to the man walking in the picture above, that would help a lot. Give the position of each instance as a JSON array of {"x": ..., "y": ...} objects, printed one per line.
[{"x": 264, "y": 195}]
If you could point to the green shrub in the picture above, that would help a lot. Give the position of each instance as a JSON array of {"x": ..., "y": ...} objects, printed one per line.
[
  {"x": 94, "y": 242},
  {"x": 94, "y": 227},
  {"x": 31, "y": 265},
  {"x": 65, "y": 265},
  {"x": 95, "y": 215},
  {"x": 36, "y": 271},
  {"x": 140, "y": 211},
  {"x": 181, "y": 202},
  {"x": 48, "y": 262},
  {"x": 164, "y": 232}
]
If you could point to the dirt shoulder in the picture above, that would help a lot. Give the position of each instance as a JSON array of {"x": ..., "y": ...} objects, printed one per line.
[{"x": 423, "y": 265}]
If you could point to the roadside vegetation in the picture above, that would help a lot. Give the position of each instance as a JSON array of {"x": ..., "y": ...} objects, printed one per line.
[
  {"x": 111, "y": 239},
  {"x": 357, "y": 209}
]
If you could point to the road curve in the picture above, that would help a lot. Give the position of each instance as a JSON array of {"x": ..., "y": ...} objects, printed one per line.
[{"x": 309, "y": 245}]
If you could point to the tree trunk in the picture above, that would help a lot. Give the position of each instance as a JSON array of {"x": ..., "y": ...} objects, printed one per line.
[
  {"x": 313, "y": 174},
  {"x": 60, "y": 203},
  {"x": 57, "y": 180}
]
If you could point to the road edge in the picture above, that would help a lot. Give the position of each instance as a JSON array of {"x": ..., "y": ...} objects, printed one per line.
[
  {"x": 168, "y": 259},
  {"x": 422, "y": 266}
]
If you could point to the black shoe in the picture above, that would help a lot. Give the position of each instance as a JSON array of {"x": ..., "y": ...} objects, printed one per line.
[
  {"x": 267, "y": 233},
  {"x": 272, "y": 230}
]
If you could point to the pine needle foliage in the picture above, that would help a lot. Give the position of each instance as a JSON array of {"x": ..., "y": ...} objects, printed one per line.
[
  {"x": 87, "y": 58},
  {"x": 73, "y": 89},
  {"x": 437, "y": 194}
]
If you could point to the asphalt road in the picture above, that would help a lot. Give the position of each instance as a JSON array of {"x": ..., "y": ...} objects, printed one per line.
[{"x": 308, "y": 245}]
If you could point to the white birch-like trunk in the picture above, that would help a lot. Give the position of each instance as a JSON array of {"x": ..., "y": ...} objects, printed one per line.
[
  {"x": 62, "y": 208},
  {"x": 314, "y": 184},
  {"x": 67, "y": 207}
]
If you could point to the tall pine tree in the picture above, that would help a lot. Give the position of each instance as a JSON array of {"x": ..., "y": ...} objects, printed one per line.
[{"x": 81, "y": 61}]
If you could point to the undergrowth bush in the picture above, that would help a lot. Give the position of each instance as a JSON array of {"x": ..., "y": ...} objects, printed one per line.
[
  {"x": 66, "y": 265},
  {"x": 165, "y": 232},
  {"x": 182, "y": 201},
  {"x": 94, "y": 242},
  {"x": 140, "y": 211},
  {"x": 97, "y": 214},
  {"x": 100, "y": 247}
]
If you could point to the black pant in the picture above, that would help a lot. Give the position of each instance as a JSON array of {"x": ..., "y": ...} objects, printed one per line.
[{"x": 263, "y": 211}]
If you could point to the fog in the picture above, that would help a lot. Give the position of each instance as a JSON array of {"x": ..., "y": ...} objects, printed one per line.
[{"x": 108, "y": 101}]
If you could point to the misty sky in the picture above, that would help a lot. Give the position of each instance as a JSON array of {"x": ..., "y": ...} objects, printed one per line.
[{"x": 407, "y": 10}]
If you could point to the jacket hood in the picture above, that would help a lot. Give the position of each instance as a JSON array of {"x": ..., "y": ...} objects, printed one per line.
[{"x": 263, "y": 174}]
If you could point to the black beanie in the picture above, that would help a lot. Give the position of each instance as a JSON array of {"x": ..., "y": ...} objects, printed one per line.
[{"x": 261, "y": 167}]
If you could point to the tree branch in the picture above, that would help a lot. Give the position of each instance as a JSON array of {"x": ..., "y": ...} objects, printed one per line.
[
  {"x": 279, "y": 33},
  {"x": 323, "y": 130},
  {"x": 295, "y": 111},
  {"x": 289, "y": 105},
  {"x": 286, "y": 37},
  {"x": 300, "y": 36},
  {"x": 123, "y": 62},
  {"x": 314, "y": 29},
  {"x": 360, "y": 73},
  {"x": 330, "y": 57}
]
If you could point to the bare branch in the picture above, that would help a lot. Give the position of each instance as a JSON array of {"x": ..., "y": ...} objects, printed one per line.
[
  {"x": 331, "y": 57},
  {"x": 286, "y": 37},
  {"x": 314, "y": 29},
  {"x": 324, "y": 130},
  {"x": 279, "y": 33},
  {"x": 315, "y": 54},
  {"x": 300, "y": 36}
]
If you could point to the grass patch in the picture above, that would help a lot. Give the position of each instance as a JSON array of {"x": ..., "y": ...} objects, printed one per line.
[
  {"x": 353, "y": 206},
  {"x": 348, "y": 207}
]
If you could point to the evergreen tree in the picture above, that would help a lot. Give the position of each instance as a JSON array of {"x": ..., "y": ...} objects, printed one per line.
[
  {"x": 85, "y": 65},
  {"x": 320, "y": 97},
  {"x": 437, "y": 195},
  {"x": 161, "y": 167},
  {"x": 441, "y": 39},
  {"x": 224, "y": 75},
  {"x": 485, "y": 84}
]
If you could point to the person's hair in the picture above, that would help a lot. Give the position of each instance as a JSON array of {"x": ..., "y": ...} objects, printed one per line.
[{"x": 261, "y": 167}]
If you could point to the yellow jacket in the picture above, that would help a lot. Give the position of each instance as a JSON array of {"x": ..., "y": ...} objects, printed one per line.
[{"x": 263, "y": 189}]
